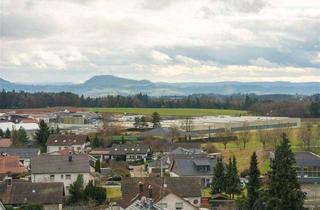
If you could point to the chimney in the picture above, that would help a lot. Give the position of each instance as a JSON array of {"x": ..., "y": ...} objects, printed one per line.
[
  {"x": 150, "y": 191},
  {"x": 140, "y": 187},
  {"x": 9, "y": 181},
  {"x": 70, "y": 156}
]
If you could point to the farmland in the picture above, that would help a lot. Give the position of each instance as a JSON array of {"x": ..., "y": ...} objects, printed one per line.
[{"x": 171, "y": 111}]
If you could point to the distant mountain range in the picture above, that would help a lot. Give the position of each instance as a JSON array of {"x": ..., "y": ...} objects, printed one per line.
[{"x": 103, "y": 85}]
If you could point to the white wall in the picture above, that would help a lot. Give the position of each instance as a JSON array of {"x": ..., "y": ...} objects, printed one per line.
[
  {"x": 73, "y": 147},
  {"x": 62, "y": 178},
  {"x": 171, "y": 200}
]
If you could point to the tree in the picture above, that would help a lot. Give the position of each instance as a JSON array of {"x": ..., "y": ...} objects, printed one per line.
[
  {"x": 144, "y": 123},
  {"x": 7, "y": 134},
  {"x": 137, "y": 124},
  {"x": 19, "y": 137},
  {"x": 187, "y": 125},
  {"x": 76, "y": 190},
  {"x": 1, "y": 133},
  {"x": 42, "y": 135},
  {"x": 97, "y": 166},
  {"x": 96, "y": 142},
  {"x": 305, "y": 135},
  {"x": 232, "y": 180},
  {"x": 156, "y": 120},
  {"x": 254, "y": 182},
  {"x": 33, "y": 207},
  {"x": 284, "y": 191},
  {"x": 244, "y": 135},
  {"x": 89, "y": 190},
  {"x": 218, "y": 180},
  {"x": 263, "y": 138}
]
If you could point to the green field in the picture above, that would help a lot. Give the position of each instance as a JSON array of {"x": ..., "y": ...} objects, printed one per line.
[{"x": 171, "y": 111}]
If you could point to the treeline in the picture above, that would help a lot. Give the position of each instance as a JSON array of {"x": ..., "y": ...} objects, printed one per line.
[{"x": 272, "y": 105}]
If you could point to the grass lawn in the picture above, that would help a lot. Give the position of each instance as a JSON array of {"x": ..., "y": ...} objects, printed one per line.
[
  {"x": 172, "y": 111},
  {"x": 254, "y": 145},
  {"x": 113, "y": 193}
]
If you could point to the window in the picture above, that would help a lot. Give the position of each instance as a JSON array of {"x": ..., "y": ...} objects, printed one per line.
[
  {"x": 68, "y": 176},
  {"x": 62, "y": 176},
  {"x": 51, "y": 177},
  {"x": 163, "y": 205},
  {"x": 179, "y": 205}
]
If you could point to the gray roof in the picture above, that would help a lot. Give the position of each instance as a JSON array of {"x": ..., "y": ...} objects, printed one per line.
[
  {"x": 124, "y": 149},
  {"x": 187, "y": 166},
  {"x": 184, "y": 151},
  {"x": 27, "y": 192},
  {"x": 45, "y": 164},
  {"x": 21, "y": 152},
  {"x": 307, "y": 159}
]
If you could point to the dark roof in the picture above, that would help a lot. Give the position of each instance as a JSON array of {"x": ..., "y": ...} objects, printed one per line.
[
  {"x": 21, "y": 152},
  {"x": 187, "y": 166},
  {"x": 28, "y": 192},
  {"x": 307, "y": 159},
  {"x": 45, "y": 164},
  {"x": 67, "y": 140},
  {"x": 182, "y": 186},
  {"x": 124, "y": 149},
  {"x": 167, "y": 146}
]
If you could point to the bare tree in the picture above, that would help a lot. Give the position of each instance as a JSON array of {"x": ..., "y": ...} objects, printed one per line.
[
  {"x": 188, "y": 126},
  {"x": 263, "y": 137},
  {"x": 305, "y": 136},
  {"x": 244, "y": 135}
]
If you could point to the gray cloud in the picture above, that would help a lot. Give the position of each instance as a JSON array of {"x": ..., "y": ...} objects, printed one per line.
[{"x": 20, "y": 26}]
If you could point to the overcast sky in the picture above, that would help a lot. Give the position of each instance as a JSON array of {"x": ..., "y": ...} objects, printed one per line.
[{"x": 160, "y": 40}]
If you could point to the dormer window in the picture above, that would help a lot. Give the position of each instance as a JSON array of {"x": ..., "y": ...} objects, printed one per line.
[{"x": 55, "y": 141}]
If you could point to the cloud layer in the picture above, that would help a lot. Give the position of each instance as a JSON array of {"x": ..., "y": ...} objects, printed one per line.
[{"x": 160, "y": 40}]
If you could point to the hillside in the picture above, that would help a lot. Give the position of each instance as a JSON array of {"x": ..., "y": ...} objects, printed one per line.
[{"x": 111, "y": 85}]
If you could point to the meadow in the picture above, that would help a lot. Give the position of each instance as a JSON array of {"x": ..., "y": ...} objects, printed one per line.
[{"x": 172, "y": 111}]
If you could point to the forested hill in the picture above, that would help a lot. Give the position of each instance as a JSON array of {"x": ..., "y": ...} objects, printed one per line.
[
  {"x": 272, "y": 105},
  {"x": 104, "y": 85}
]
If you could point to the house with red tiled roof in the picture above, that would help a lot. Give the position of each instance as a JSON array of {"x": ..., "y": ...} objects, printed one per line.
[{"x": 11, "y": 164}]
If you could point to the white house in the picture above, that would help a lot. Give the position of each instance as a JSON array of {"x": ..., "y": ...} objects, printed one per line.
[
  {"x": 179, "y": 193},
  {"x": 61, "y": 168},
  {"x": 76, "y": 143}
]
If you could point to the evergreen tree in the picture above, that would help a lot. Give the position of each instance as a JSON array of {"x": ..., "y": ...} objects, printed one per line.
[
  {"x": 218, "y": 180},
  {"x": 33, "y": 207},
  {"x": 156, "y": 120},
  {"x": 7, "y": 134},
  {"x": 42, "y": 135},
  {"x": 1, "y": 133},
  {"x": 254, "y": 182},
  {"x": 96, "y": 142},
  {"x": 76, "y": 190},
  {"x": 89, "y": 190},
  {"x": 97, "y": 166},
  {"x": 232, "y": 180},
  {"x": 19, "y": 137},
  {"x": 284, "y": 191}
]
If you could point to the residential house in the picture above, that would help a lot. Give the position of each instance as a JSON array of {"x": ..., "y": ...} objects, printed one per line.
[
  {"x": 61, "y": 168},
  {"x": 11, "y": 165},
  {"x": 18, "y": 194},
  {"x": 177, "y": 193},
  {"x": 189, "y": 166},
  {"x": 76, "y": 143},
  {"x": 24, "y": 154},
  {"x": 124, "y": 152},
  {"x": 308, "y": 167}
]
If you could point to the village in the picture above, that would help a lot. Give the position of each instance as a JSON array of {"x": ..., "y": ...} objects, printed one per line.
[{"x": 78, "y": 159}]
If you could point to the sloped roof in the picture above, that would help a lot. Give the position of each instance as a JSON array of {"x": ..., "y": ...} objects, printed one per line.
[
  {"x": 66, "y": 140},
  {"x": 10, "y": 164},
  {"x": 28, "y": 192},
  {"x": 5, "y": 142},
  {"x": 124, "y": 149},
  {"x": 45, "y": 164},
  {"x": 187, "y": 166},
  {"x": 183, "y": 187},
  {"x": 21, "y": 152},
  {"x": 307, "y": 159}
]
